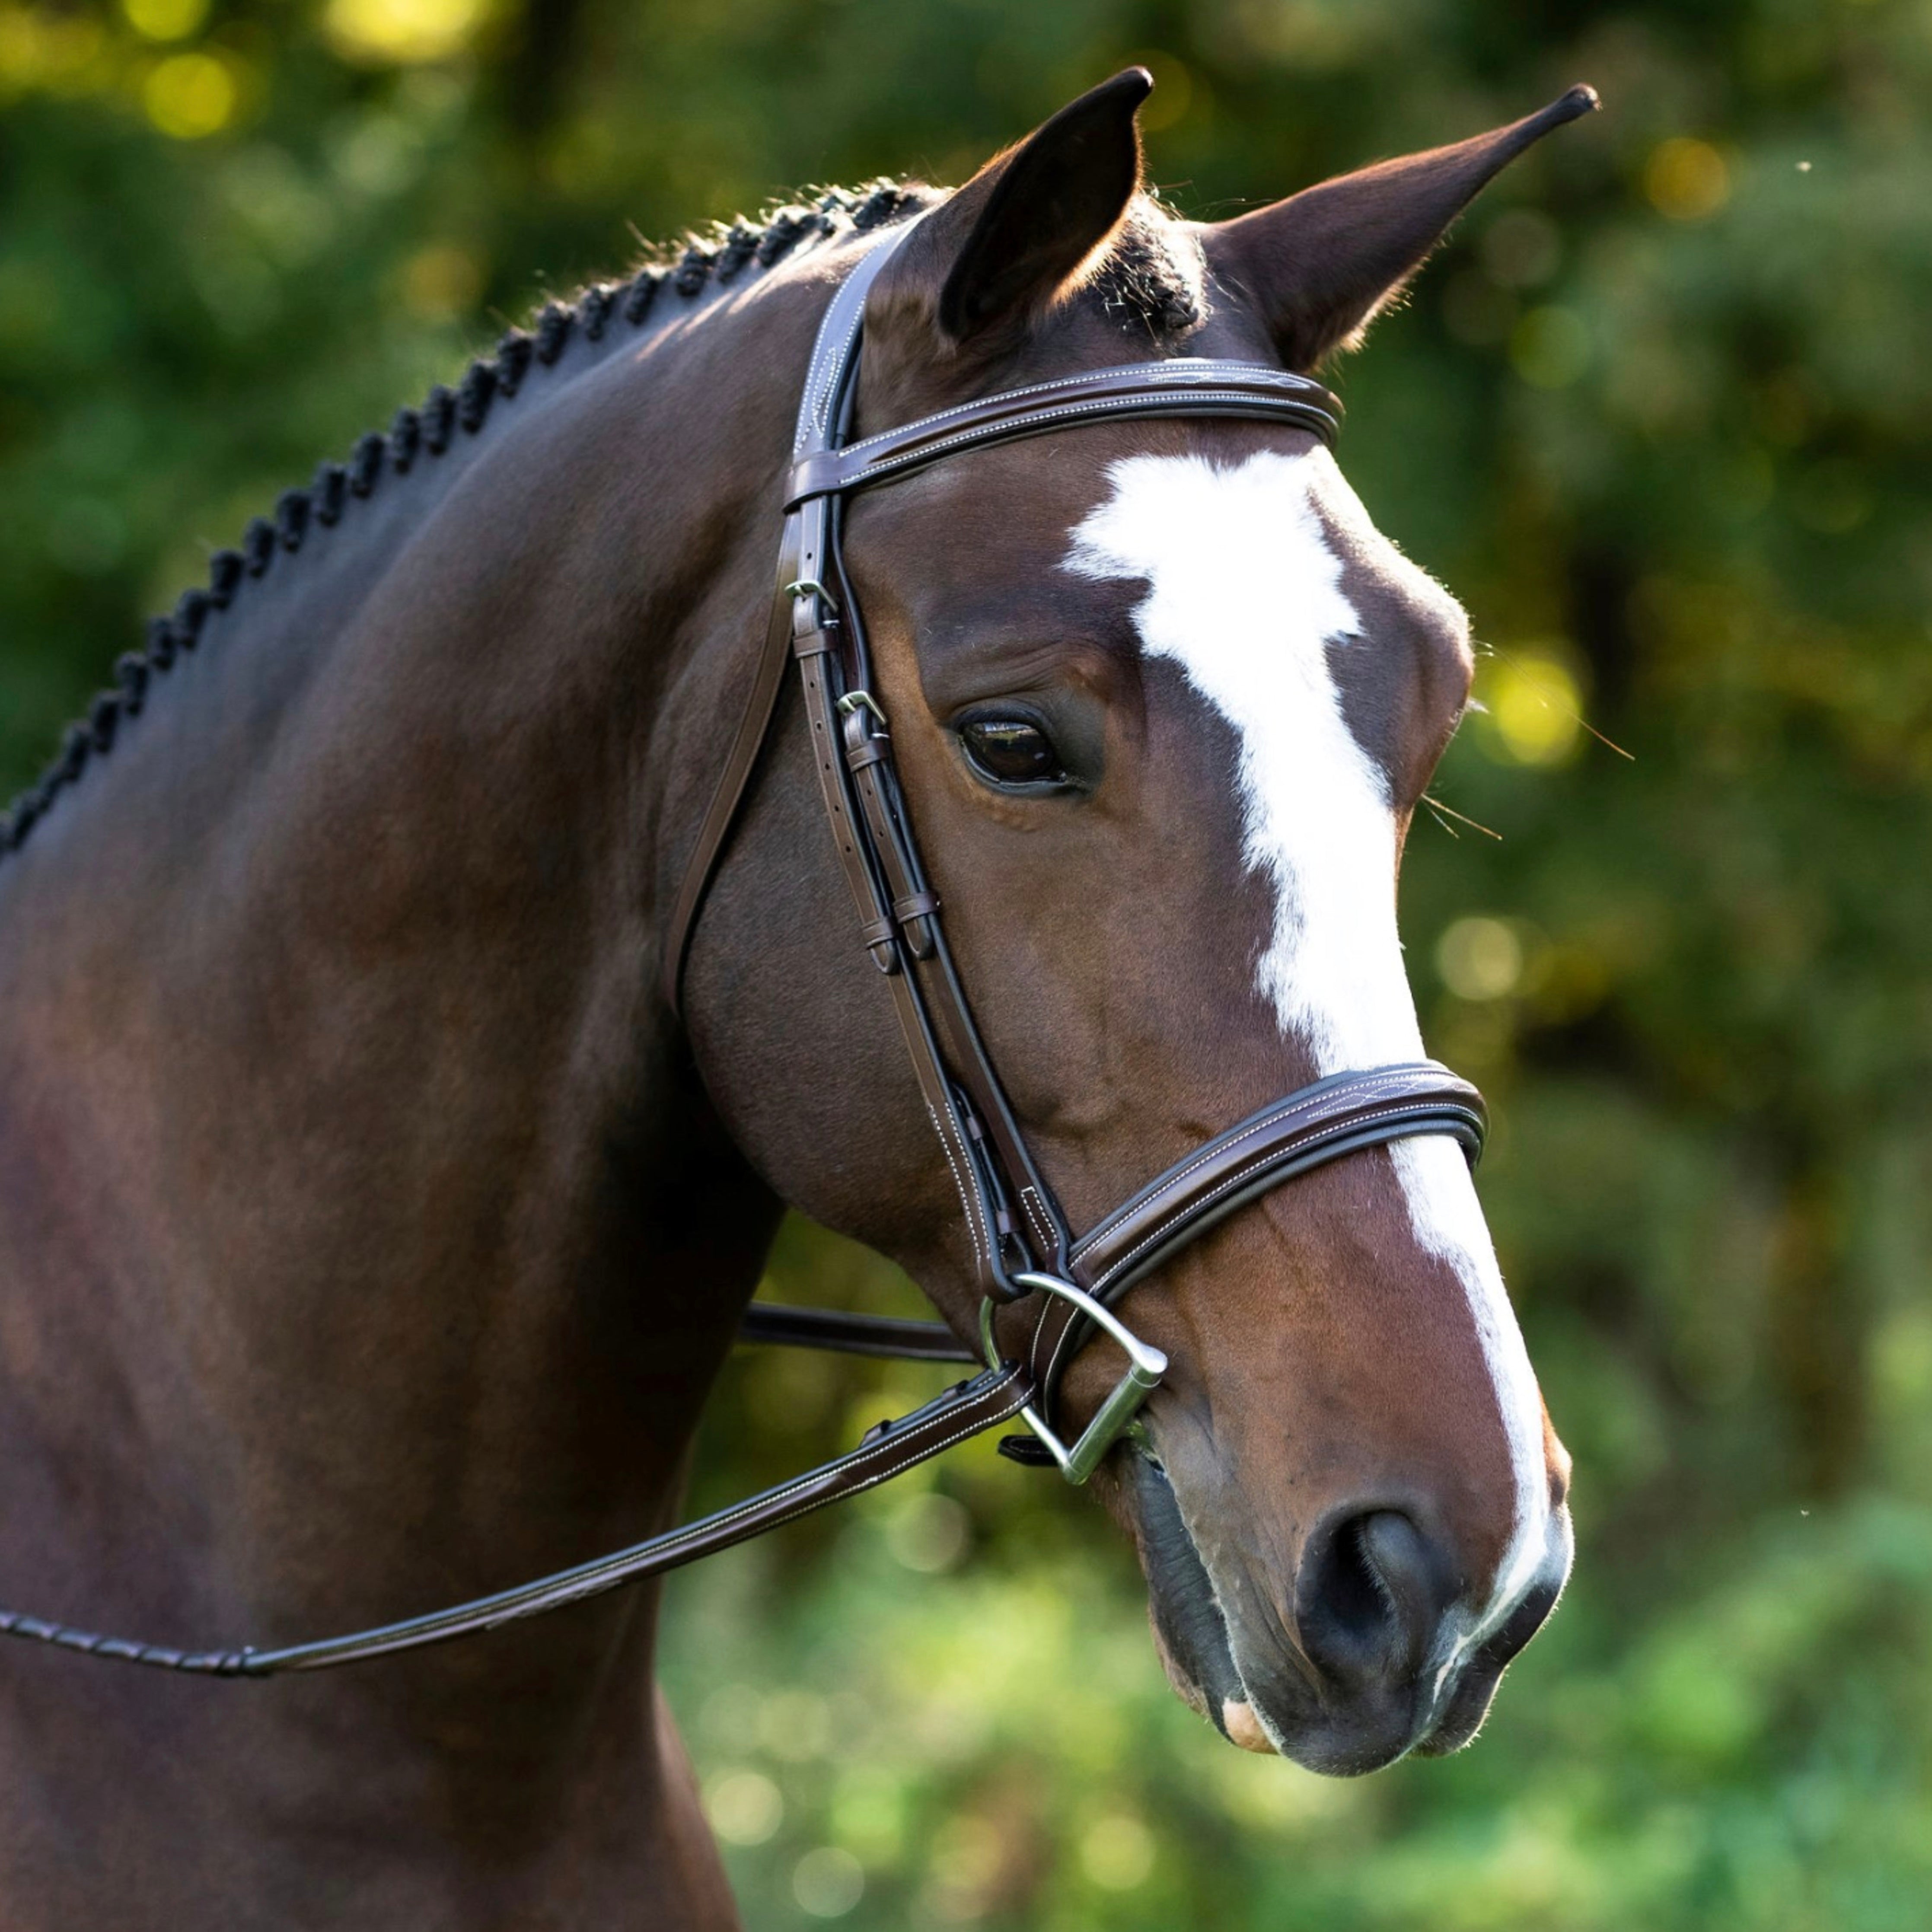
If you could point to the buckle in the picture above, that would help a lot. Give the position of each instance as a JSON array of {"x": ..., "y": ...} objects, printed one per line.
[
  {"x": 856, "y": 701},
  {"x": 1146, "y": 1365}
]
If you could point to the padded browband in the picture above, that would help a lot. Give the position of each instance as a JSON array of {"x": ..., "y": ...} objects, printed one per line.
[{"x": 1185, "y": 386}]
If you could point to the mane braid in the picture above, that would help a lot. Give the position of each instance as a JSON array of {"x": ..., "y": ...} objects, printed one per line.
[{"x": 1143, "y": 279}]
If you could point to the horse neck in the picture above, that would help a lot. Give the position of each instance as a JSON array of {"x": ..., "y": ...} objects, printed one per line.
[{"x": 365, "y": 1239}]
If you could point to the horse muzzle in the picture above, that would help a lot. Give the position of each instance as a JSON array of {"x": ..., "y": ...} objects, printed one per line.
[{"x": 1368, "y": 1654}]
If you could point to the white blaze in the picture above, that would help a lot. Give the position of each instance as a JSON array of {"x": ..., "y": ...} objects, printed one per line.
[{"x": 1244, "y": 593}]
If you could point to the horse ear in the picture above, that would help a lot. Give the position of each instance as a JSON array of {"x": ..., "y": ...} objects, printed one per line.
[
  {"x": 1322, "y": 265},
  {"x": 1002, "y": 248}
]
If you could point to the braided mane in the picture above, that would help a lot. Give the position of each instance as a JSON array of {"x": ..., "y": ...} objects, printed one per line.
[{"x": 1139, "y": 278}]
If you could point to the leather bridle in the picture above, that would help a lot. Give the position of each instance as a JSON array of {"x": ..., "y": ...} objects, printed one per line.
[
  {"x": 1022, "y": 1250},
  {"x": 1027, "y": 1265}
]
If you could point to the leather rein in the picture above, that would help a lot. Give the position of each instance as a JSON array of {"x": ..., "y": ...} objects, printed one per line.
[{"x": 1042, "y": 1292}]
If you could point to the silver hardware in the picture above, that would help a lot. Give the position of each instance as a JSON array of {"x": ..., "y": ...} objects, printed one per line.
[
  {"x": 853, "y": 700},
  {"x": 1146, "y": 1365}
]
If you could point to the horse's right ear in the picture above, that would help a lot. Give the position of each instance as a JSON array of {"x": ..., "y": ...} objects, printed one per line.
[
  {"x": 1320, "y": 266},
  {"x": 998, "y": 253}
]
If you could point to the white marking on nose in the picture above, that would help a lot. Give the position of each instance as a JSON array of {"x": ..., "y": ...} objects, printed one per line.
[
  {"x": 1244, "y": 593},
  {"x": 1448, "y": 1222}
]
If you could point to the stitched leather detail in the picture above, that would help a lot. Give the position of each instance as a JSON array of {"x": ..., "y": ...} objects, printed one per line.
[{"x": 966, "y": 1207}]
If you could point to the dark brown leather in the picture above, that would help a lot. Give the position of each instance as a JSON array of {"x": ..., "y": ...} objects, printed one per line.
[
  {"x": 1183, "y": 385},
  {"x": 991, "y": 1398},
  {"x": 1014, "y": 1224},
  {"x": 1317, "y": 1124},
  {"x": 802, "y": 546},
  {"x": 1340, "y": 1115},
  {"x": 844, "y": 1333}
]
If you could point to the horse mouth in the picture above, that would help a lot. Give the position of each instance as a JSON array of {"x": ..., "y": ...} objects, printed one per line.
[
  {"x": 1190, "y": 1629},
  {"x": 1459, "y": 1717},
  {"x": 1192, "y": 1636}
]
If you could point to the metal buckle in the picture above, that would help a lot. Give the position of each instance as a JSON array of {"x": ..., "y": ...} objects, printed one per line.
[
  {"x": 1146, "y": 1365},
  {"x": 814, "y": 607},
  {"x": 853, "y": 700}
]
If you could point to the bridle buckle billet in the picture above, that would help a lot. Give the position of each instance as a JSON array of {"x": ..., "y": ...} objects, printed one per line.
[{"x": 1146, "y": 1365}]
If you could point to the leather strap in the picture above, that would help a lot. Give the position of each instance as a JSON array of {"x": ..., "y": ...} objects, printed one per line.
[
  {"x": 843, "y": 1333},
  {"x": 1182, "y": 386},
  {"x": 1309, "y": 1128},
  {"x": 1016, "y": 1227},
  {"x": 993, "y": 1396},
  {"x": 801, "y": 550},
  {"x": 1342, "y": 1114},
  {"x": 824, "y": 470}
]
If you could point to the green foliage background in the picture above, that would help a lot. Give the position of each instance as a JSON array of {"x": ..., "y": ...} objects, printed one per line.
[{"x": 1658, "y": 414}]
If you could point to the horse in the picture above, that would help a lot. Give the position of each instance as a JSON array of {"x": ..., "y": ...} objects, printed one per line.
[{"x": 373, "y": 1221}]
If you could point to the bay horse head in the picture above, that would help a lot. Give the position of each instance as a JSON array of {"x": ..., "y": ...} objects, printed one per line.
[
  {"x": 372, "y": 1224},
  {"x": 1164, "y": 702}
]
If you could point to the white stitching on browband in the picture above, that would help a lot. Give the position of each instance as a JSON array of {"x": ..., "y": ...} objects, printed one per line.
[
  {"x": 815, "y": 411},
  {"x": 1294, "y": 387},
  {"x": 1089, "y": 408}
]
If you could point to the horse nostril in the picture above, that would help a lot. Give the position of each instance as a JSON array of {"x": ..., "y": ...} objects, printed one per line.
[{"x": 1371, "y": 1594}]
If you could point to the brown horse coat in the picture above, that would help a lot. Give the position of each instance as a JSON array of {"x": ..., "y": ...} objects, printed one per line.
[{"x": 370, "y": 1230}]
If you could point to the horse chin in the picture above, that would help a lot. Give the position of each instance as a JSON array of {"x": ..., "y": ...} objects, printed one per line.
[
  {"x": 1190, "y": 1632},
  {"x": 1461, "y": 1717},
  {"x": 1191, "y": 1636}
]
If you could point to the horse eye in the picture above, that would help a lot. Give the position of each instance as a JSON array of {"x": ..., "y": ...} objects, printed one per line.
[{"x": 1012, "y": 751}]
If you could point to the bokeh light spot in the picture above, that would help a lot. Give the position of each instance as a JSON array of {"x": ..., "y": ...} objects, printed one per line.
[
  {"x": 1522, "y": 247},
  {"x": 441, "y": 282},
  {"x": 165, "y": 19},
  {"x": 1532, "y": 709},
  {"x": 189, "y": 96},
  {"x": 929, "y": 1533},
  {"x": 745, "y": 1808},
  {"x": 1550, "y": 348},
  {"x": 795, "y": 1726},
  {"x": 828, "y": 1882},
  {"x": 1117, "y": 1852},
  {"x": 1687, "y": 180},
  {"x": 57, "y": 50},
  {"x": 399, "y": 32},
  {"x": 1480, "y": 959}
]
